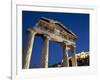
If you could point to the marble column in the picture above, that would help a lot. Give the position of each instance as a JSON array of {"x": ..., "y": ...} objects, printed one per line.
[
  {"x": 65, "y": 62},
  {"x": 28, "y": 49},
  {"x": 74, "y": 58},
  {"x": 45, "y": 51}
]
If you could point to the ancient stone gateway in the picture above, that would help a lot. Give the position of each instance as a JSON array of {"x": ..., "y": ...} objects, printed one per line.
[{"x": 54, "y": 31}]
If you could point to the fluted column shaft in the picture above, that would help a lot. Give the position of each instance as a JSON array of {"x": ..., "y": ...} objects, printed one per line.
[
  {"x": 65, "y": 56},
  {"x": 74, "y": 58},
  {"x": 45, "y": 51},
  {"x": 28, "y": 50}
]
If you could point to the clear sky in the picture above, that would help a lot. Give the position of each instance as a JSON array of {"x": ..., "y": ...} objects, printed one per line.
[{"x": 76, "y": 22}]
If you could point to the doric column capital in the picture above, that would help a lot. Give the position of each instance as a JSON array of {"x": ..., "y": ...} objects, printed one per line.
[
  {"x": 33, "y": 31},
  {"x": 66, "y": 45},
  {"x": 65, "y": 42},
  {"x": 46, "y": 36},
  {"x": 74, "y": 45}
]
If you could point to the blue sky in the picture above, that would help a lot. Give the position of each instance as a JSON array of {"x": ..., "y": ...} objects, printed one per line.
[{"x": 76, "y": 22}]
